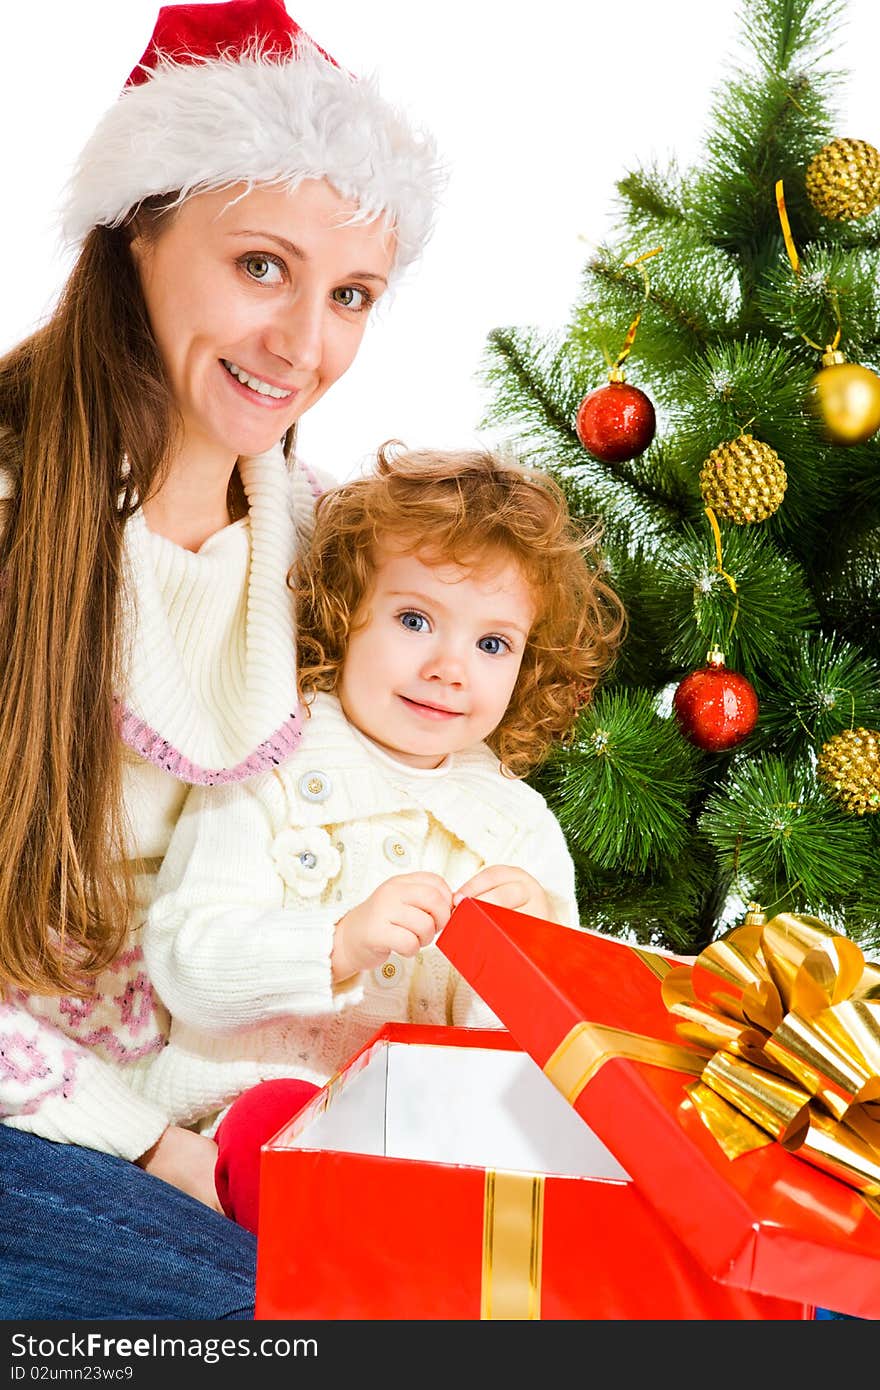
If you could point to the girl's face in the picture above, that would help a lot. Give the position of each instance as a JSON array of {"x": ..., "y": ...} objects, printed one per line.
[
  {"x": 432, "y": 667},
  {"x": 258, "y": 301}
]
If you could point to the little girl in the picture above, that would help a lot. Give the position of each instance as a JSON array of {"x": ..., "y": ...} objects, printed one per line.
[{"x": 452, "y": 622}]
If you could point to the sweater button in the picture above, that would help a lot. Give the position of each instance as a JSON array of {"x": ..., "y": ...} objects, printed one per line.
[
  {"x": 396, "y": 851},
  {"x": 315, "y": 786},
  {"x": 385, "y": 975}
]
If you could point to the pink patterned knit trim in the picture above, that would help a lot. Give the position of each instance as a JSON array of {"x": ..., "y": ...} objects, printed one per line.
[
  {"x": 317, "y": 488},
  {"x": 64, "y": 1088},
  {"x": 157, "y": 750},
  {"x": 24, "y": 1063}
]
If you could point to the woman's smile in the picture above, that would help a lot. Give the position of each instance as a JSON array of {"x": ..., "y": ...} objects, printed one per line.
[{"x": 261, "y": 391}]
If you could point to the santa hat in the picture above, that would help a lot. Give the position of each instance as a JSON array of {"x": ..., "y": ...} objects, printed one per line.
[{"x": 236, "y": 92}]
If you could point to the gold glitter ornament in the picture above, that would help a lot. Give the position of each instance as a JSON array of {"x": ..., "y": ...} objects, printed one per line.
[
  {"x": 849, "y": 768},
  {"x": 843, "y": 179},
  {"x": 846, "y": 399},
  {"x": 743, "y": 480}
]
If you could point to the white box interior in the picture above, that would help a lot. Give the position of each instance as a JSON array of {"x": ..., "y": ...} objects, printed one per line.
[{"x": 461, "y": 1105}]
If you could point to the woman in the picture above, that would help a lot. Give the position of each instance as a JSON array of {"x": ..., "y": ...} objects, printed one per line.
[{"x": 239, "y": 208}]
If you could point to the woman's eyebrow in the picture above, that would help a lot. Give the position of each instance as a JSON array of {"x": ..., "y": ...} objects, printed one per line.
[{"x": 299, "y": 254}]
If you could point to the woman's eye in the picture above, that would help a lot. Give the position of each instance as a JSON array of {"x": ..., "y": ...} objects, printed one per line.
[
  {"x": 350, "y": 297},
  {"x": 263, "y": 268},
  {"x": 492, "y": 645},
  {"x": 415, "y": 622}
]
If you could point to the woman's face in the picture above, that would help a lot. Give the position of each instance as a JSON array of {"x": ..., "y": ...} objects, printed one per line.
[{"x": 258, "y": 301}]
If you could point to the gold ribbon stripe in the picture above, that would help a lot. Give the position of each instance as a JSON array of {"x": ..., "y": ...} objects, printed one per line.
[
  {"x": 658, "y": 965},
  {"x": 589, "y": 1046},
  {"x": 513, "y": 1238}
]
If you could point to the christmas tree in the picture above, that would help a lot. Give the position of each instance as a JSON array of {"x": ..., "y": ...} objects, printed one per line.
[{"x": 714, "y": 400}]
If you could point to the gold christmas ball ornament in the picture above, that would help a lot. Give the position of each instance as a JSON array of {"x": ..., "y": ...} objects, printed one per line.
[
  {"x": 843, "y": 179},
  {"x": 849, "y": 768},
  {"x": 743, "y": 480},
  {"x": 846, "y": 400}
]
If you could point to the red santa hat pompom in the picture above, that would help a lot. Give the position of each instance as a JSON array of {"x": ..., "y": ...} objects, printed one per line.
[{"x": 237, "y": 92}]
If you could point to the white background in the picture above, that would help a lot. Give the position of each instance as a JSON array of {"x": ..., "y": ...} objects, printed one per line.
[{"x": 537, "y": 110}]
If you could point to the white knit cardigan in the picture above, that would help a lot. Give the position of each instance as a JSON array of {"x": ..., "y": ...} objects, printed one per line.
[{"x": 239, "y": 936}]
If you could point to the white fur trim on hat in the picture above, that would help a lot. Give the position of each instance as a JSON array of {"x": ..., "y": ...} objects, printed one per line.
[{"x": 194, "y": 127}]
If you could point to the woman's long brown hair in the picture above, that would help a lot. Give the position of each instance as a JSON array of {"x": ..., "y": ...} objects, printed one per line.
[{"x": 84, "y": 393}]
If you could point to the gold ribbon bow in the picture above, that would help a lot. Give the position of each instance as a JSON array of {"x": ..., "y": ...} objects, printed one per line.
[{"x": 790, "y": 1012}]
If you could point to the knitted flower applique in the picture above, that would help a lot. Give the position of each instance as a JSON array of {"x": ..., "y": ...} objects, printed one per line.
[{"x": 306, "y": 859}]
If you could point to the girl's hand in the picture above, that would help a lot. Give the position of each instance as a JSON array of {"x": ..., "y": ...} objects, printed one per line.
[
  {"x": 185, "y": 1160},
  {"x": 506, "y": 886},
  {"x": 403, "y": 914}
]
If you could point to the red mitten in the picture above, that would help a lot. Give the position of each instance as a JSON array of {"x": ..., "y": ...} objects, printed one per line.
[{"x": 249, "y": 1123}]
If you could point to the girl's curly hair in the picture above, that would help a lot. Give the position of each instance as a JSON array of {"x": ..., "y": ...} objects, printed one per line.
[{"x": 471, "y": 508}]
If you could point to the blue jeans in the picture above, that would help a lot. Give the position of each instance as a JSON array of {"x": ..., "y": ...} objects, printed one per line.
[{"x": 85, "y": 1235}]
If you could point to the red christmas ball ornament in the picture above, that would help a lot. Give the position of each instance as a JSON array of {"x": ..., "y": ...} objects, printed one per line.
[
  {"x": 716, "y": 708},
  {"x": 616, "y": 422}
]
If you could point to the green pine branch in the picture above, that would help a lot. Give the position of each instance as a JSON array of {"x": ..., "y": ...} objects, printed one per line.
[{"x": 670, "y": 842}]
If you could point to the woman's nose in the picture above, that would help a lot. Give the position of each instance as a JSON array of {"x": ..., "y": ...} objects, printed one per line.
[{"x": 297, "y": 335}]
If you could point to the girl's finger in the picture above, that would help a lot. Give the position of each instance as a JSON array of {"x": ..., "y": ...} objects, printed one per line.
[{"x": 486, "y": 881}]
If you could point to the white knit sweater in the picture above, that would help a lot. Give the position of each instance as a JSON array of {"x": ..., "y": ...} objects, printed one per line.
[
  {"x": 239, "y": 936},
  {"x": 209, "y": 698}
]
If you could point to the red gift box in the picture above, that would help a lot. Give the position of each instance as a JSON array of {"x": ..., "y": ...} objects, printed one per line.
[
  {"x": 440, "y": 1175},
  {"x": 590, "y": 1011}
]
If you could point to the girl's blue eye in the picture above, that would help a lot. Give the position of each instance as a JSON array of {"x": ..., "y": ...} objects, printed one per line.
[
  {"x": 492, "y": 645},
  {"x": 415, "y": 622}
]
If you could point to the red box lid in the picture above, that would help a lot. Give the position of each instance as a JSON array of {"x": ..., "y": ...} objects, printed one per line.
[{"x": 767, "y": 1221}]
